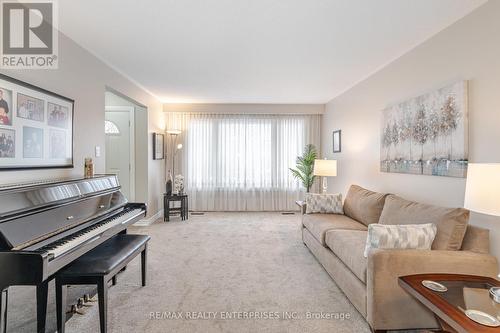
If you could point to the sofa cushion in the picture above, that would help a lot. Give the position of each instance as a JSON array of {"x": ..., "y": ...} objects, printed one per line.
[
  {"x": 319, "y": 224},
  {"x": 451, "y": 222},
  {"x": 349, "y": 246},
  {"x": 406, "y": 236},
  {"x": 324, "y": 203},
  {"x": 364, "y": 205}
]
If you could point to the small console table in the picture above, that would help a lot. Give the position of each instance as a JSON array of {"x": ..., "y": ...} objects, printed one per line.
[{"x": 183, "y": 209}]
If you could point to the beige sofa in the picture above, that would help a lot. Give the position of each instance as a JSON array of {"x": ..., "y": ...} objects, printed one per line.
[{"x": 338, "y": 241}]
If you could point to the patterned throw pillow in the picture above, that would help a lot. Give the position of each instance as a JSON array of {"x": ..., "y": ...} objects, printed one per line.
[
  {"x": 408, "y": 236},
  {"x": 324, "y": 203}
]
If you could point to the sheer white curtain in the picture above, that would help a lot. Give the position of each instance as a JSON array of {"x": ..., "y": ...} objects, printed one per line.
[{"x": 240, "y": 162}]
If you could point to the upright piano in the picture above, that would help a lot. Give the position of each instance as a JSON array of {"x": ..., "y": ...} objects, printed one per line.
[{"x": 45, "y": 226}]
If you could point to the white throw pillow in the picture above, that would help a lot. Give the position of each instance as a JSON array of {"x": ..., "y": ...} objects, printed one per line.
[
  {"x": 408, "y": 236},
  {"x": 324, "y": 203}
]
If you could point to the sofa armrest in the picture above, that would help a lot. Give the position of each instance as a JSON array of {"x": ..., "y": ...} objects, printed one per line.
[{"x": 389, "y": 306}]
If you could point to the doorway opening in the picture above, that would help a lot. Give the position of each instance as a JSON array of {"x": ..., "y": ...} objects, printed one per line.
[
  {"x": 124, "y": 129},
  {"x": 120, "y": 143}
]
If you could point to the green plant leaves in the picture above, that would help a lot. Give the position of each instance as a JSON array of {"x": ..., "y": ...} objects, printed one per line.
[{"x": 305, "y": 166}]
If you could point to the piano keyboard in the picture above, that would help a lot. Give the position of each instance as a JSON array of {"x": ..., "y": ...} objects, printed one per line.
[{"x": 87, "y": 235}]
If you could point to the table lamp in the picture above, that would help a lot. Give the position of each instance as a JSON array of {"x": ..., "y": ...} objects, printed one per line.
[
  {"x": 482, "y": 189},
  {"x": 325, "y": 168},
  {"x": 482, "y": 195}
]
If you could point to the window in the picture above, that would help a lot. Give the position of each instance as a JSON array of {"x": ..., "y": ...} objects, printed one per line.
[
  {"x": 244, "y": 154},
  {"x": 110, "y": 128},
  {"x": 236, "y": 162}
]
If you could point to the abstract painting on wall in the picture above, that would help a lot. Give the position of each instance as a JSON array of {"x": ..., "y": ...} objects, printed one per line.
[{"x": 428, "y": 134}]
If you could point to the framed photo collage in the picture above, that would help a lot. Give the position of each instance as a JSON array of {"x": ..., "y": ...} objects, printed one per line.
[{"x": 36, "y": 127}]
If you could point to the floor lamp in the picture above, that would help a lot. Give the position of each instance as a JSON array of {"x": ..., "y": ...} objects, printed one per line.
[{"x": 173, "y": 141}]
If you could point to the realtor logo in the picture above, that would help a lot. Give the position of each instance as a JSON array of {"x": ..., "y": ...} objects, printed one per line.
[{"x": 29, "y": 34}]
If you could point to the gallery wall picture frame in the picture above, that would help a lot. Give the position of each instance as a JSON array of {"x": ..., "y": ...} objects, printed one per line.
[
  {"x": 36, "y": 127},
  {"x": 158, "y": 146},
  {"x": 337, "y": 141}
]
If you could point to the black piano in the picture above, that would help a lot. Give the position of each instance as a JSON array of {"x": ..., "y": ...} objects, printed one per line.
[{"x": 44, "y": 226}]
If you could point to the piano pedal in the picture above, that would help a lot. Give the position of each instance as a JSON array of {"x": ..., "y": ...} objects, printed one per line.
[
  {"x": 75, "y": 310},
  {"x": 81, "y": 303},
  {"x": 88, "y": 299}
]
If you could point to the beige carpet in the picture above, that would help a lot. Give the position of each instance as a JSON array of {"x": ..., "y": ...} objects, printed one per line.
[{"x": 246, "y": 263}]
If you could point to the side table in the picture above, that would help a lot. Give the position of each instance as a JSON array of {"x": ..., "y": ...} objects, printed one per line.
[
  {"x": 302, "y": 206},
  {"x": 464, "y": 292},
  {"x": 183, "y": 209}
]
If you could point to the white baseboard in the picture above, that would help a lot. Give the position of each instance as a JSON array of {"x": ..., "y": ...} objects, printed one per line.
[{"x": 148, "y": 221}]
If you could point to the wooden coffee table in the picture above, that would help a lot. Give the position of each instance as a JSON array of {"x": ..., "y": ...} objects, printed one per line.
[{"x": 465, "y": 292}]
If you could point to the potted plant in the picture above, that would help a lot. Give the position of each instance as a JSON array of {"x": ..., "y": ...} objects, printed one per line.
[{"x": 305, "y": 166}]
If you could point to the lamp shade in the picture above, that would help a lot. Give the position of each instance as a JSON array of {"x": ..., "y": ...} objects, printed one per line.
[
  {"x": 482, "y": 191},
  {"x": 325, "y": 168},
  {"x": 174, "y": 131}
]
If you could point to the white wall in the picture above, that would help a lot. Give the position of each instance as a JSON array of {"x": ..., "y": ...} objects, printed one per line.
[
  {"x": 113, "y": 99},
  {"x": 84, "y": 78},
  {"x": 470, "y": 50},
  {"x": 246, "y": 108}
]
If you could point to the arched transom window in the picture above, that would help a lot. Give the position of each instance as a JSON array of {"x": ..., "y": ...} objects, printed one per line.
[{"x": 110, "y": 128}]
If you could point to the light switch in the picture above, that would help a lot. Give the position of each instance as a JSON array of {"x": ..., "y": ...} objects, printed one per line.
[{"x": 97, "y": 151}]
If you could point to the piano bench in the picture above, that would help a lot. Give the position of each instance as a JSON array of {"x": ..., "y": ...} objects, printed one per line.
[{"x": 98, "y": 267}]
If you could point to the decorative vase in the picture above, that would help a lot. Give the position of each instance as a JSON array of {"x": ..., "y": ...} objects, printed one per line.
[
  {"x": 169, "y": 183},
  {"x": 89, "y": 168},
  {"x": 179, "y": 184}
]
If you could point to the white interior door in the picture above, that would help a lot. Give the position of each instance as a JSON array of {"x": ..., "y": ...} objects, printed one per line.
[{"x": 118, "y": 150}]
